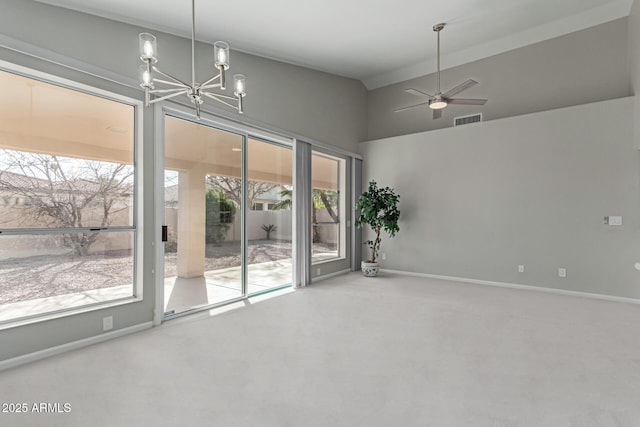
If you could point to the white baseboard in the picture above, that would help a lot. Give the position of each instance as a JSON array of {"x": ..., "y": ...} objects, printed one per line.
[
  {"x": 514, "y": 286},
  {"x": 330, "y": 275},
  {"x": 37, "y": 355}
]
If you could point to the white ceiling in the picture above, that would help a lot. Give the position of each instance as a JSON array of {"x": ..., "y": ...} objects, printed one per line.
[{"x": 377, "y": 41}]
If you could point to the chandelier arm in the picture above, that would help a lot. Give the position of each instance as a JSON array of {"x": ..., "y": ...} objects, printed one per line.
[
  {"x": 169, "y": 76},
  {"x": 180, "y": 85},
  {"x": 215, "y": 97},
  {"x": 208, "y": 82},
  {"x": 154, "y": 91},
  {"x": 213, "y": 86},
  {"x": 162, "y": 98}
]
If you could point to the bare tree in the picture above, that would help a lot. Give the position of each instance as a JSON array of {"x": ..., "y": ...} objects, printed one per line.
[
  {"x": 232, "y": 188},
  {"x": 58, "y": 192}
]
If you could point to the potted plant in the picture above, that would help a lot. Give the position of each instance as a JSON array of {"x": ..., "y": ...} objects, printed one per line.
[{"x": 379, "y": 210}]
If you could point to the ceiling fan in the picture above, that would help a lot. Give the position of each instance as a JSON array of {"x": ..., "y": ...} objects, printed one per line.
[{"x": 440, "y": 100}]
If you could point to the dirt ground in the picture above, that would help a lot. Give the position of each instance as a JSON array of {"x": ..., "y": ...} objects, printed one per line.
[{"x": 23, "y": 279}]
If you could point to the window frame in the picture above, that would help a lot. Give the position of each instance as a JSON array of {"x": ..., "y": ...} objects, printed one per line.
[
  {"x": 341, "y": 203},
  {"x": 138, "y": 197}
]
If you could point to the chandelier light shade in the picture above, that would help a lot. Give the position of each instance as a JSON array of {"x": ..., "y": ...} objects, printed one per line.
[
  {"x": 164, "y": 86},
  {"x": 148, "y": 47},
  {"x": 221, "y": 53}
]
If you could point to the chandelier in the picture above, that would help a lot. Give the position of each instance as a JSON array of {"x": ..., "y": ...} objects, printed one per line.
[{"x": 169, "y": 86}]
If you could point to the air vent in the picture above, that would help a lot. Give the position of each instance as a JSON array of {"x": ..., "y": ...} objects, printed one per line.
[{"x": 465, "y": 120}]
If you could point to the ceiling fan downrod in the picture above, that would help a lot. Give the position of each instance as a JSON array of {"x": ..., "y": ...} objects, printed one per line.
[{"x": 437, "y": 28}]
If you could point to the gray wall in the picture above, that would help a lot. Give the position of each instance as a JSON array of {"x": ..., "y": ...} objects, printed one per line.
[
  {"x": 313, "y": 104},
  {"x": 478, "y": 200},
  {"x": 585, "y": 66}
]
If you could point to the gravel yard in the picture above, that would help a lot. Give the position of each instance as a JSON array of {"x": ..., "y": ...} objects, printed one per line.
[{"x": 24, "y": 279}]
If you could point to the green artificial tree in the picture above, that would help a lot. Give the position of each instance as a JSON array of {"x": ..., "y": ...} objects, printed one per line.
[{"x": 379, "y": 210}]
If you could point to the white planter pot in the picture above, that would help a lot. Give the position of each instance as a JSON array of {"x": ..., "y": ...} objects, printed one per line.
[{"x": 369, "y": 269}]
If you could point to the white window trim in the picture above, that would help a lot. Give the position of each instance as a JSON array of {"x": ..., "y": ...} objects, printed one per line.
[
  {"x": 342, "y": 202},
  {"x": 138, "y": 201}
]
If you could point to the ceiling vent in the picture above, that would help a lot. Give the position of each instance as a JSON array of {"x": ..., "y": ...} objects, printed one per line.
[{"x": 465, "y": 120}]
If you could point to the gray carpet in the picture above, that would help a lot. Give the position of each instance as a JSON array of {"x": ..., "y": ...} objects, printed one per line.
[{"x": 350, "y": 351}]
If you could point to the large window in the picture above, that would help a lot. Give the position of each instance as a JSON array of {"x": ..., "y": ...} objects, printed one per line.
[
  {"x": 327, "y": 201},
  {"x": 67, "y": 198}
]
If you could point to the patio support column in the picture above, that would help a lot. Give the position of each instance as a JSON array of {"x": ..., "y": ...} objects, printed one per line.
[{"x": 191, "y": 223}]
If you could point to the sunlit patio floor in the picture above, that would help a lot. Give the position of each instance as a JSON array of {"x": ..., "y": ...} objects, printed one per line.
[
  {"x": 221, "y": 285},
  {"x": 179, "y": 294}
]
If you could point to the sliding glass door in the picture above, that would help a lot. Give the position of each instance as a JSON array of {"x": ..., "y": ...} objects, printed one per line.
[
  {"x": 269, "y": 217},
  {"x": 228, "y": 226}
]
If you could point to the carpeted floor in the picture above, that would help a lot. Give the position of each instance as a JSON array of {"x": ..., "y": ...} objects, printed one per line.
[{"x": 350, "y": 351}]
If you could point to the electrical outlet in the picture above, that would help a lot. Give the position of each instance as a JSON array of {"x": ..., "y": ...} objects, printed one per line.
[
  {"x": 318, "y": 271},
  {"x": 562, "y": 272},
  {"x": 521, "y": 269},
  {"x": 107, "y": 323}
]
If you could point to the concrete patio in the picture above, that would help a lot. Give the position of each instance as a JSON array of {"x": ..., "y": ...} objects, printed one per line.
[{"x": 222, "y": 285}]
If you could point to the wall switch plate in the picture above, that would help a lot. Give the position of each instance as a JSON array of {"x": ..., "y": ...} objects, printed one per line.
[
  {"x": 562, "y": 272},
  {"x": 384, "y": 256},
  {"x": 107, "y": 323},
  {"x": 521, "y": 269}
]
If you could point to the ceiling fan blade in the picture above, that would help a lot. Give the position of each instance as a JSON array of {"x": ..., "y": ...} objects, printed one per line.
[
  {"x": 467, "y": 101},
  {"x": 417, "y": 92},
  {"x": 462, "y": 86},
  {"x": 410, "y": 106},
  {"x": 437, "y": 114}
]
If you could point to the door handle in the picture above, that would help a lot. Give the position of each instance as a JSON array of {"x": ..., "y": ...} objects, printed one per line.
[{"x": 164, "y": 233}]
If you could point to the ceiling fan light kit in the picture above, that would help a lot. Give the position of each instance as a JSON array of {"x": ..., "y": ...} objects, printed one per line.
[
  {"x": 437, "y": 104},
  {"x": 196, "y": 92},
  {"x": 441, "y": 100}
]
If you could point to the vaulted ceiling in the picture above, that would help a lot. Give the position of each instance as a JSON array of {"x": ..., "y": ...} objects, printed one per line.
[{"x": 378, "y": 41}]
